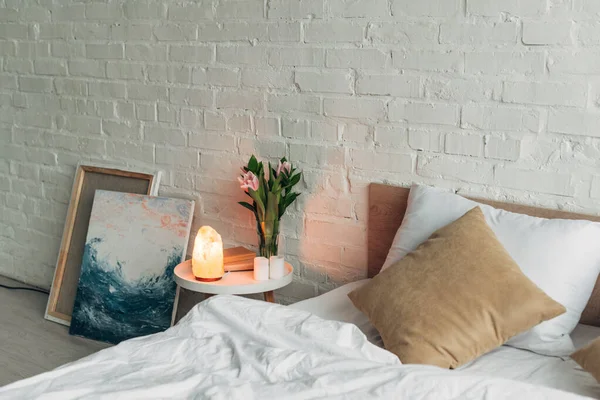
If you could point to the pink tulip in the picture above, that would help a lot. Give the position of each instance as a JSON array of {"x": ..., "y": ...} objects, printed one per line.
[
  {"x": 249, "y": 181},
  {"x": 283, "y": 167}
]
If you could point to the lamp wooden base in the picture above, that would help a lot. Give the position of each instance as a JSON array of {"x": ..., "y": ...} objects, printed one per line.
[{"x": 208, "y": 279}]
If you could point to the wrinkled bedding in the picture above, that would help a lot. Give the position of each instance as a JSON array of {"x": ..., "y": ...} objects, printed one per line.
[
  {"x": 502, "y": 362},
  {"x": 234, "y": 348}
]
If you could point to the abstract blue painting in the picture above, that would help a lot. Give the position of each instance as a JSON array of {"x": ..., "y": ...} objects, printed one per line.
[{"x": 126, "y": 288}]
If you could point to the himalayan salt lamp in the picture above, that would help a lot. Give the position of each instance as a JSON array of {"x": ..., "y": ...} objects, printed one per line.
[{"x": 207, "y": 257}]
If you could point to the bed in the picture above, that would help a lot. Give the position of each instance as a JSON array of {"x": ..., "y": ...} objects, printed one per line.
[
  {"x": 504, "y": 362},
  {"x": 229, "y": 347}
]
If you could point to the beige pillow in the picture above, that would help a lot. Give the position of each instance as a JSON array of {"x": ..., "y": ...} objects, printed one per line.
[
  {"x": 456, "y": 297},
  {"x": 589, "y": 358}
]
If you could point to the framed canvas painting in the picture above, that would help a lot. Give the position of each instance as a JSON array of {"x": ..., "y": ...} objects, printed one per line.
[
  {"x": 88, "y": 179},
  {"x": 126, "y": 287}
]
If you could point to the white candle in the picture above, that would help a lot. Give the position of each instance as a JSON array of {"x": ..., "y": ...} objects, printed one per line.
[
  {"x": 261, "y": 268},
  {"x": 276, "y": 267}
]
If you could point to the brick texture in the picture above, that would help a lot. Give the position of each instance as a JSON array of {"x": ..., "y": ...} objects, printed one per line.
[{"x": 496, "y": 98}]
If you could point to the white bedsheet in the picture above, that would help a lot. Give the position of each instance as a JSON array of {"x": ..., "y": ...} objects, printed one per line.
[
  {"x": 503, "y": 362},
  {"x": 235, "y": 348},
  {"x": 336, "y": 305}
]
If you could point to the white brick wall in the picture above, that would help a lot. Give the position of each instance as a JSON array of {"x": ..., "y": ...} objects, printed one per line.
[{"x": 494, "y": 98}]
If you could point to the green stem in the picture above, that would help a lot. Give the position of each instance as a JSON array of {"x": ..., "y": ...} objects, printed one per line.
[{"x": 268, "y": 238}]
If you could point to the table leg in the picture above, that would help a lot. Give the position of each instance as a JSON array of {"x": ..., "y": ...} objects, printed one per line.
[{"x": 269, "y": 297}]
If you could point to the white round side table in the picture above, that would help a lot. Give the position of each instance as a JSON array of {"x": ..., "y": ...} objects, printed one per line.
[{"x": 240, "y": 282}]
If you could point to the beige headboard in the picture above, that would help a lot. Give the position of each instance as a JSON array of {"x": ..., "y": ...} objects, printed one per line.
[{"x": 387, "y": 205}]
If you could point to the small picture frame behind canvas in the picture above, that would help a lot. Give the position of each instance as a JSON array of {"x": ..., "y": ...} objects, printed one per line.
[
  {"x": 126, "y": 288},
  {"x": 88, "y": 178}
]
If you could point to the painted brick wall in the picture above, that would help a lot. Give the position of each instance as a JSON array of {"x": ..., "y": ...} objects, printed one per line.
[{"x": 495, "y": 98}]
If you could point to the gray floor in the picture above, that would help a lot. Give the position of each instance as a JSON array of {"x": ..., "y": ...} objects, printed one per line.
[{"x": 29, "y": 344}]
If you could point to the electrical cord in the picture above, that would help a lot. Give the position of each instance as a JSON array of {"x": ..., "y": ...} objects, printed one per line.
[{"x": 24, "y": 288}]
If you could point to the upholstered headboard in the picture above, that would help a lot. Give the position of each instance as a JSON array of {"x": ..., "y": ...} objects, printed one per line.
[{"x": 387, "y": 205}]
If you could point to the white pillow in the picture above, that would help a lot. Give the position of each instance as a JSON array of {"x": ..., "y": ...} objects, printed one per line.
[{"x": 562, "y": 257}]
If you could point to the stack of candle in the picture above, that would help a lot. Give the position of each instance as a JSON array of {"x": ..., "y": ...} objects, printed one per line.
[
  {"x": 276, "y": 267},
  {"x": 269, "y": 268},
  {"x": 261, "y": 269}
]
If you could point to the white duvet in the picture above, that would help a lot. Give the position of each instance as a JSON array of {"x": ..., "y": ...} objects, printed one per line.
[{"x": 234, "y": 348}]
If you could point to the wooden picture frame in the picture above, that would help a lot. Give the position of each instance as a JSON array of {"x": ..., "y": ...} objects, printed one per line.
[{"x": 88, "y": 179}]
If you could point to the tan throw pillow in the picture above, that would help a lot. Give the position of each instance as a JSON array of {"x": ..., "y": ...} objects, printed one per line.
[
  {"x": 456, "y": 297},
  {"x": 589, "y": 358}
]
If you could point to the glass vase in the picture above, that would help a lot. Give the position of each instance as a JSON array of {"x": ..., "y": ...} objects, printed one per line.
[{"x": 268, "y": 239}]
